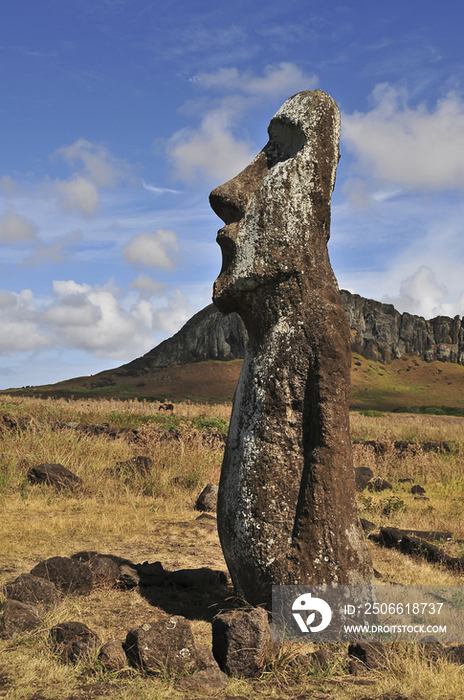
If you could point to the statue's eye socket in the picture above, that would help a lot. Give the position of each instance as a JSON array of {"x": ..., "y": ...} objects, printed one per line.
[{"x": 286, "y": 139}]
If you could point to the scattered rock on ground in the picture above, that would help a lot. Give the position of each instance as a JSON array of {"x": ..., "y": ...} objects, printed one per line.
[
  {"x": 367, "y": 526},
  {"x": 54, "y": 475},
  {"x": 417, "y": 490},
  {"x": 241, "y": 642},
  {"x": 73, "y": 640},
  {"x": 166, "y": 643},
  {"x": 205, "y": 657},
  {"x": 112, "y": 656},
  {"x": 371, "y": 654},
  {"x": 16, "y": 619},
  {"x": 33, "y": 590},
  {"x": 455, "y": 654},
  {"x": 379, "y": 484},
  {"x": 104, "y": 570},
  {"x": 362, "y": 477},
  {"x": 207, "y": 682},
  {"x": 207, "y": 500},
  {"x": 390, "y": 537},
  {"x": 128, "y": 577},
  {"x": 137, "y": 465},
  {"x": 68, "y": 575}
]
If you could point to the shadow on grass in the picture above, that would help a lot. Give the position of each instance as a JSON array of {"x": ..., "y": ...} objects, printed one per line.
[{"x": 196, "y": 603}]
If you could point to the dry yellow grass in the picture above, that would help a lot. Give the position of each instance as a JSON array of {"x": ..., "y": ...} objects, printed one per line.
[{"x": 152, "y": 518}]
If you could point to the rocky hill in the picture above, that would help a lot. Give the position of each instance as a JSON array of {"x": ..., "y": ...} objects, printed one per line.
[{"x": 379, "y": 333}]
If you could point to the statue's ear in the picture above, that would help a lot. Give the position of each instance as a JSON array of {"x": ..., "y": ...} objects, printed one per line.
[{"x": 286, "y": 139}]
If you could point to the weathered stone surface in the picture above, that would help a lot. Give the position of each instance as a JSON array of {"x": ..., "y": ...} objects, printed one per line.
[
  {"x": 209, "y": 682},
  {"x": 68, "y": 575},
  {"x": 74, "y": 640},
  {"x": 33, "y": 590},
  {"x": 112, "y": 656},
  {"x": 53, "y": 475},
  {"x": 16, "y": 619},
  {"x": 166, "y": 643},
  {"x": 241, "y": 642},
  {"x": 207, "y": 500},
  {"x": 286, "y": 505}
]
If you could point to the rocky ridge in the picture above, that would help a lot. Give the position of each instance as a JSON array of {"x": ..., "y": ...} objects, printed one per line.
[{"x": 378, "y": 332}]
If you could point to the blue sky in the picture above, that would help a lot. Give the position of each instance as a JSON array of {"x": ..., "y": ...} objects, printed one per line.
[{"x": 119, "y": 116}]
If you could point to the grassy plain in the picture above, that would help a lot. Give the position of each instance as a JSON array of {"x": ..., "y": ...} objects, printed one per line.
[{"x": 153, "y": 518}]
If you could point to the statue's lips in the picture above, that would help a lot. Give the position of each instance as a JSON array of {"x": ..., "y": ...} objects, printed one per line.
[{"x": 228, "y": 247}]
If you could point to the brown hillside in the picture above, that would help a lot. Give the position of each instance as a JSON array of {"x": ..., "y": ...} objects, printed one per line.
[{"x": 407, "y": 382}]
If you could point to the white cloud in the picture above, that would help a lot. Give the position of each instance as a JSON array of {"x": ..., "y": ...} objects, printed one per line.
[
  {"x": 211, "y": 149},
  {"x": 100, "y": 166},
  {"x": 281, "y": 80},
  {"x": 415, "y": 148},
  {"x": 159, "y": 190},
  {"x": 58, "y": 251},
  {"x": 77, "y": 194},
  {"x": 20, "y": 326},
  {"x": 15, "y": 228},
  {"x": 81, "y": 192},
  {"x": 214, "y": 149},
  {"x": 99, "y": 320},
  {"x": 420, "y": 294},
  {"x": 158, "y": 249},
  {"x": 7, "y": 185},
  {"x": 178, "y": 311},
  {"x": 147, "y": 286}
]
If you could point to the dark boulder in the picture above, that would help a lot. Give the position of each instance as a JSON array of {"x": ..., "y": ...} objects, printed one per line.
[
  {"x": 17, "y": 619},
  {"x": 207, "y": 500},
  {"x": 371, "y": 654},
  {"x": 113, "y": 657},
  {"x": 362, "y": 476},
  {"x": 33, "y": 590},
  {"x": 241, "y": 642},
  {"x": 68, "y": 575},
  {"x": 163, "y": 644},
  {"x": 54, "y": 475},
  {"x": 74, "y": 640}
]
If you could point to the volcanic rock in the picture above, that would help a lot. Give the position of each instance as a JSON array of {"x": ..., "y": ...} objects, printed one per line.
[{"x": 287, "y": 480}]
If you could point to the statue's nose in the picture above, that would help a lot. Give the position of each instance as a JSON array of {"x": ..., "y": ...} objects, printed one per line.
[
  {"x": 227, "y": 204},
  {"x": 230, "y": 201}
]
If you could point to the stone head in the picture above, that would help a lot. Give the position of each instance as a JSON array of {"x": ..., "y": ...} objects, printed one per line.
[{"x": 277, "y": 210}]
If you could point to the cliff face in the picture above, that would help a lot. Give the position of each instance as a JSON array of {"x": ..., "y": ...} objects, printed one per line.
[{"x": 378, "y": 332}]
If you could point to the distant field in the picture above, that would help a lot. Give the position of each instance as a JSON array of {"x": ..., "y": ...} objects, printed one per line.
[{"x": 408, "y": 382}]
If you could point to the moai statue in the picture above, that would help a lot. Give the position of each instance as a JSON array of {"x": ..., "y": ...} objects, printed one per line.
[{"x": 286, "y": 506}]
